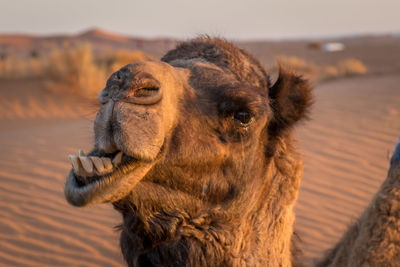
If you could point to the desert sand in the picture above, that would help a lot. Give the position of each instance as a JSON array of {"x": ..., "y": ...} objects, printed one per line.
[{"x": 346, "y": 147}]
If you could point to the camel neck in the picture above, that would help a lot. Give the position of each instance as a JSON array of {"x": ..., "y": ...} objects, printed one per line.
[{"x": 155, "y": 216}]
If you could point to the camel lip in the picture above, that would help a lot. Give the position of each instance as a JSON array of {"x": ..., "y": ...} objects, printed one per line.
[{"x": 107, "y": 188}]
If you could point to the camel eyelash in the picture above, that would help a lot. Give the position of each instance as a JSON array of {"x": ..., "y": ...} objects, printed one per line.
[{"x": 230, "y": 108}]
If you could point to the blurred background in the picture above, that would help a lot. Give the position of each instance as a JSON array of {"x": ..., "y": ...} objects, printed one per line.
[{"x": 55, "y": 56}]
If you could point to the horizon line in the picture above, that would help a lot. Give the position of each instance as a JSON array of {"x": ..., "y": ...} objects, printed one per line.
[{"x": 235, "y": 39}]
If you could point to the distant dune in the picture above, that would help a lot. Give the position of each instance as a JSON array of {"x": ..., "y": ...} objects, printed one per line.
[
  {"x": 380, "y": 53},
  {"x": 99, "y": 39},
  {"x": 34, "y": 99}
]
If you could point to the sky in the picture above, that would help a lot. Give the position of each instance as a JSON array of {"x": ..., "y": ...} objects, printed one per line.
[{"x": 234, "y": 19}]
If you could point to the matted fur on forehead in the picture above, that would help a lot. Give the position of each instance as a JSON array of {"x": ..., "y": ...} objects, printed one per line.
[{"x": 225, "y": 55}]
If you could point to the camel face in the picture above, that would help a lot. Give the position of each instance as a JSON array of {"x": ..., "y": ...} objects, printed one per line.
[
  {"x": 204, "y": 121},
  {"x": 156, "y": 117}
]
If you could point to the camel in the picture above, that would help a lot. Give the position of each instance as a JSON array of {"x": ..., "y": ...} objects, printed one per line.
[{"x": 196, "y": 152}]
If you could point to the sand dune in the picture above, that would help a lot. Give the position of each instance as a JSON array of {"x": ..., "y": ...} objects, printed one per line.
[
  {"x": 34, "y": 98},
  {"x": 346, "y": 145},
  {"x": 37, "y": 226},
  {"x": 346, "y": 148}
]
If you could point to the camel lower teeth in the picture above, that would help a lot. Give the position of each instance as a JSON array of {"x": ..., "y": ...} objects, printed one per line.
[
  {"x": 87, "y": 164},
  {"x": 75, "y": 162},
  {"x": 84, "y": 166},
  {"x": 117, "y": 159},
  {"x": 81, "y": 153},
  {"x": 107, "y": 163},
  {"x": 98, "y": 164}
]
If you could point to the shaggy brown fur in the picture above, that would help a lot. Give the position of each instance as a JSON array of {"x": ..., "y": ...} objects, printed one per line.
[{"x": 209, "y": 173}]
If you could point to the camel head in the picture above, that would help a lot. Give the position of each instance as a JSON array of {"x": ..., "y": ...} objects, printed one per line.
[{"x": 204, "y": 122}]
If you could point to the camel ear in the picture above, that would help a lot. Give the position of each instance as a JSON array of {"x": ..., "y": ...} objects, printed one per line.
[{"x": 290, "y": 100}]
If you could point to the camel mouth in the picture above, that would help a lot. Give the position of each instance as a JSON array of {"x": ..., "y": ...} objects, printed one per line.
[
  {"x": 99, "y": 177},
  {"x": 96, "y": 165}
]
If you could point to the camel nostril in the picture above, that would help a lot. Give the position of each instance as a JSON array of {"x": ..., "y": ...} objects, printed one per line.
[
  {"x": 144, "y": 96},
  {"x": 146, "y": 92}
]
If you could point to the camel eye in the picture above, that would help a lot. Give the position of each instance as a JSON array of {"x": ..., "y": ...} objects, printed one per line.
[{"x": 243, "y": 117}]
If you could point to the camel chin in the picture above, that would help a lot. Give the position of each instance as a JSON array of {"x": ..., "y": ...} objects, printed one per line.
[{"x": 98, "y": 177}]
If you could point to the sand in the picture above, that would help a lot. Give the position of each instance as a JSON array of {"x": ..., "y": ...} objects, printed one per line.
[
  {"x": 37, "y": 226},
  {"x": 346, "y": 146},
  {"x": 355, "y": 123}
]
